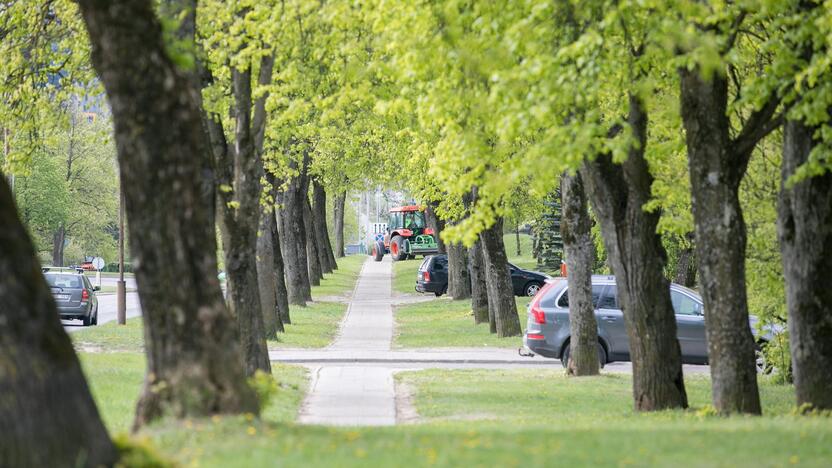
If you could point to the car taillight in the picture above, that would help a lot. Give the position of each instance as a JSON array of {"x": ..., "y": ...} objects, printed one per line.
[
  {"x": 426, "y": 276},
  {"x": 534, "y": 308},
  {"x": 85, "y": 295}
]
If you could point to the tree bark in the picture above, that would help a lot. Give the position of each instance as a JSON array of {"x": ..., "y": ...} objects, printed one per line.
[
  {"x": 45, "y": 395},
  {"x": 328, "y": 263},
  {"x": 805, "y": 231},
  {"x": 340, "y": 205},
  {"x": 281, "y": 293},
  {"x": 293, "y": 236},
  {"x": 717, "y": 164},
  {"x": 479, "y": 291},
  {"x": 193, "y": 356},
  {"x": 498, "y": 282},
  {"x": 459, "y": 281},
  {"x": 576, "y": 227},
  {"x": 241, "y": 168},
  {"x": 437, "y": 224},
  {"x": 618, "y": 193},
  {"x": 58, "y": 240},
  {"x": 313, "y": 259},
  {"x": 266, "y": 275}
]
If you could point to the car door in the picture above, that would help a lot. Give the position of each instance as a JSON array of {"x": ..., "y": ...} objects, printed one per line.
[
  {"x": 611, "y": 325},
  {"x": 690, "y": 327},
  {"x": 517, "y": 279}
]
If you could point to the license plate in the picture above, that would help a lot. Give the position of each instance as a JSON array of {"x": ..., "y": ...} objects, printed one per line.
[{"x": 62, "y": 297}]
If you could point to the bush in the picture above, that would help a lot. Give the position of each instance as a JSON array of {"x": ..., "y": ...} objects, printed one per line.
[{"x": 265, "y": 386}]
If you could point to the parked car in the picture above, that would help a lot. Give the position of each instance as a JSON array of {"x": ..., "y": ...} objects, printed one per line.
[
  {"x": 432, "y": 277},
  {"x": 74, "y": 295},
  {"x": 547, "y": 332}
]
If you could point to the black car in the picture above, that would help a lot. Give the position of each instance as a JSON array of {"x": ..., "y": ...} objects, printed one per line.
[{"x": 432, "y": 277}]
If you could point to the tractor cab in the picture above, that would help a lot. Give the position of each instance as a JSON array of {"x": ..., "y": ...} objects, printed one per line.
[{"x": 407, "y": 235}]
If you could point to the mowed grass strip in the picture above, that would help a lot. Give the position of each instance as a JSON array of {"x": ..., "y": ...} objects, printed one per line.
[
  {"x": 115, "y": 380},
  {"x": 110, "y": 337},
  {"x": 404, "y": 276},
  {"x": 341, "y": 282},
  {"x": 313, "y": 326},
  {"x": 443, "y": 323}
]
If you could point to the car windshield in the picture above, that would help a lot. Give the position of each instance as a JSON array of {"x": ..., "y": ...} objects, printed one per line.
[{"x": 64, "y": 281}]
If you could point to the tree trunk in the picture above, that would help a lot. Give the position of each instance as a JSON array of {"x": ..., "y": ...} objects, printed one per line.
[
  {"x": 517, "y": 238},
  {"x": 241, "y": 168},
  {"x": 340, "y": 204},
  {"x": 313, "y": 259},
  {"x": 58, "y": 240},
  {"x": 805, "y": 231},
  {"x": 293, "y": 237},
  {"x": 618, "y": 193},
  {"x": 193, "y": 355},
  {"x": 266, "y": 275},
  {"x": 459, "y": 281},
  {"x": 437, "y": 224},
  {"x": 281, "y": 293},
  {"x": 500, "y": 292},
  {"x": 686, "y": 266},
  {"x": 716, "y": 168},
  {"x": 479, "y": 292},
  {"x": 321, "y": 232},
  {"x": 45, "y": 395},
  {"x": 576, "y": 232}
]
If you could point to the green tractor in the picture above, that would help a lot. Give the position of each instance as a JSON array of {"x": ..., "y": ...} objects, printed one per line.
[{"x": 407, "y": 235}]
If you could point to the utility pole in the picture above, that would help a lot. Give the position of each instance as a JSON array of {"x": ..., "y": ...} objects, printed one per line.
[{"x": 121, "y": 291}]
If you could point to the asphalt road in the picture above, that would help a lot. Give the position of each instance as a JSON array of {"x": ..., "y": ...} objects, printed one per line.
[{"x": 107, "y": 310}]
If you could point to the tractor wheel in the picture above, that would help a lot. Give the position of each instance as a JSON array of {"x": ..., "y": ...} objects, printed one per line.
[
  {"x": 397, "y": 248},
  {"x": 378, "y": 251}
]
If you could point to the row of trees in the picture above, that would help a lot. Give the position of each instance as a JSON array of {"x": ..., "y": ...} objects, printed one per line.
[{"x": 222, "y": 111}]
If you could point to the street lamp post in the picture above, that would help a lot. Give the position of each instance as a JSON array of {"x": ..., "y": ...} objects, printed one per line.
[{"x": 121, "y": 291}]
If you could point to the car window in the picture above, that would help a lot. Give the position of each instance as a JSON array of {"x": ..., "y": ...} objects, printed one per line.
[
  {"x": 64, "y": 281},
  {"x": 684, "y": 304},
  {"x": 597, "y": 289},
  {"x": 609, "y": 300},
  {"x": 440, "y": 263}
]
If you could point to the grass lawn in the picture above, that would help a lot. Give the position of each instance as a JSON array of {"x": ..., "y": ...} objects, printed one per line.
[
  {"x": 525, "y": 260},
  {"x": 443, "y": 323},
  {"x": 341, "y": 282},
  {"x": 404, "y": 275},
  {"x": 110, "y": 337},
  {"x": 313, "y": 326},
  {"x": 116, "y": 378},
  {"x": 527, "y": 417}
]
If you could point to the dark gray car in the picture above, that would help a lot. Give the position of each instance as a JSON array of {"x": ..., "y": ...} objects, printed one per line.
[
  {"x": 547, "y": 332},
  {"x": 74, "y": 296}
]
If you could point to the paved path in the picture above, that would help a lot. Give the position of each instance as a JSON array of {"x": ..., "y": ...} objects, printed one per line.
[{"x": 358, "y": 394}]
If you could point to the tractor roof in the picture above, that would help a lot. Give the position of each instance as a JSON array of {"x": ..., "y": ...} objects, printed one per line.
[{"x": 407, "y": 208}]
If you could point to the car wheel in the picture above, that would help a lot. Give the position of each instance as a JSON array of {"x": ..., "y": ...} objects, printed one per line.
[
  {"x": 378, "y": 251},
  {"x": 95, "y": 317},
  {"x": 441, "y": 292},
  {"x": 602, "y": 356},
  {"x": 532, "y": 288},
  {"x": 87, "y": 320},
  {"x": 397, "y": 248}
]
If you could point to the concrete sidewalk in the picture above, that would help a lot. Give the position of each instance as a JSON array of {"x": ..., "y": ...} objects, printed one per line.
[{"x": 357, "y": 395}]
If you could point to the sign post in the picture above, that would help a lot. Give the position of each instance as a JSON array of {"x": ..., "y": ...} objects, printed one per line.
[{"x": 98, "y": 264}]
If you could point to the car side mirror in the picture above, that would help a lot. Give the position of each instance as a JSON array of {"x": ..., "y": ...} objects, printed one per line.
[{"x": 96, "y": 288}]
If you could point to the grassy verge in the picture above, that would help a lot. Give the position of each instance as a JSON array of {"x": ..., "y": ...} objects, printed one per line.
[
  {"x": 342, "y": 281},
  {"x": 313, "y": 326},
  {"x": 115, "y": 381},
  {"x": 404, "y": 275},
  {"x": 111, "y": 337},
  {"x": 113, "y": 289},
  {"x": 443, "y": 323}
]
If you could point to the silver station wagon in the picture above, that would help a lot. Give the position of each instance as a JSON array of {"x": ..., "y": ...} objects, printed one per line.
[{"x": 547, "y": 331}]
